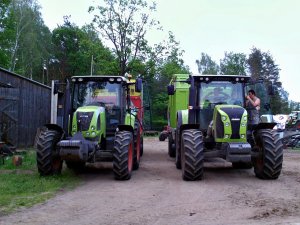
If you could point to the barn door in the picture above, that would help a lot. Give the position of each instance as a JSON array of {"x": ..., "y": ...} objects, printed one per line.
[{"x": 9, "y": 99}]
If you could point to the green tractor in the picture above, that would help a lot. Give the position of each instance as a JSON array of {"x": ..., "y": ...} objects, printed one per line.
[
  {"x": 92, "y": 120},
  {"x": 217, "y": 126}
]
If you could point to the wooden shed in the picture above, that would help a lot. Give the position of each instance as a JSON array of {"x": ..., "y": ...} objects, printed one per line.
[{"x": 24, "y": 106}]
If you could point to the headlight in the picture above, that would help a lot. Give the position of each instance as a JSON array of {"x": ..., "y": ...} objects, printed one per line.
[
  {"x": 227, "y": 124},
  {"x": 87, "y": 134},
  {"x": 224, "y": 118},
  {"x": 245, "y": 118},
  {"x": 243, "y": 124},
  {"x": 93, "y": 128},
  {"x": 242, "y": 136},
  {"x": 226, "y": 136},
  {"x": 111, "y": 79},
  {"x": 93, "y": 133}
]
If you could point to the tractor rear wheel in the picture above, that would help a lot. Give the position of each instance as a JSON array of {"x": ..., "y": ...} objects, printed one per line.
[
  {"x": 137, "y": 146},
  {"x": 171, "y": 146},
  {"x": 142, "y": 146},
  {"x": 123, "y": 155},
  {"x": 268, "y": 162},
  {"x": 177, "y": 153},
  {"x": 192, "y": 155},
  {"x": 48, "y": 159}
]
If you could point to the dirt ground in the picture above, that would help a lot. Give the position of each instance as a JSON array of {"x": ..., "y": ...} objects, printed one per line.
[{"x": 156, "y": 194}]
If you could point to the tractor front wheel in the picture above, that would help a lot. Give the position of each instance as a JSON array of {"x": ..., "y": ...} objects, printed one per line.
[
  {"x": 268, "y": 162},
  {"x": 123, "y": 155},
  {"x": 48, "y": 159},
  {"x": 192, "y": 155}
]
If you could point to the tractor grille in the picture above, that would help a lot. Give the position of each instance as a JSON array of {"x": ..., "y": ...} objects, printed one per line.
[
  {"x": 84, "y": 120},
  {"x": 235, "y": 115}
]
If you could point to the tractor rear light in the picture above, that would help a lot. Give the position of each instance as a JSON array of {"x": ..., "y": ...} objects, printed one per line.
[{"x": 190, "y": 107}]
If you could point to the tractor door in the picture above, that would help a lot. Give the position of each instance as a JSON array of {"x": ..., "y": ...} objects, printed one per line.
[{"x": 262, "y": 93}]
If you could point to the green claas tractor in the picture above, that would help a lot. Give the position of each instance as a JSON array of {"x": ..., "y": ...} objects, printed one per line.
[
  {"x": 215, "y": 124},
  {"x": 93, "y": 120}
]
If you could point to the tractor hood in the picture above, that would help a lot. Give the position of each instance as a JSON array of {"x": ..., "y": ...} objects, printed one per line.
[
  {"x": 230, "y": 123},
  {"x": 90, "y": 121}
]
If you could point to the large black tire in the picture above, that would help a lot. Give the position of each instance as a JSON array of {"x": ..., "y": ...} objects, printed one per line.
[
  {"x": 178, "y": 152},
  {"x": 48, "y": 159},
  {"x": 268, "y": 162},
  {"x": 137, "y": 146},
  {"x": 123, "y": 155},
  {"x": 192, "y": 155},
  {"x": 171, "y": 146},
  {"x": 142, "y": 146}
]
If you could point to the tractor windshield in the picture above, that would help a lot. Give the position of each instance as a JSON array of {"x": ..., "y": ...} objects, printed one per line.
[
  {"x": 215, "y": 93},
  {"x": 96, "y": 93}
]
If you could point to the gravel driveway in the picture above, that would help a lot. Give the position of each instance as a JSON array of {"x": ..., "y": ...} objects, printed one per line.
[{"x": 156, "y": 194}]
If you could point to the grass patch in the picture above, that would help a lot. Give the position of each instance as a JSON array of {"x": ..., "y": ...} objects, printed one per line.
[{"x": 22, "y": 186}]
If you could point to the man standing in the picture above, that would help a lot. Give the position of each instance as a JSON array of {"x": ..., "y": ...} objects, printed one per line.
[{"x": 253, "y": 107}]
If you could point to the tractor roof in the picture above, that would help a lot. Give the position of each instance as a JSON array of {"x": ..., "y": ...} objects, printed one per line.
[
  {"x": 99, "y": 78},
  {"x": 233, "y": 78}
]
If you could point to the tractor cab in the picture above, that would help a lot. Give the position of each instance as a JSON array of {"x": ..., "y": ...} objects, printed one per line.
[
  {"x": 217, "y": 92},
  {"x": 98, "y": 105}
]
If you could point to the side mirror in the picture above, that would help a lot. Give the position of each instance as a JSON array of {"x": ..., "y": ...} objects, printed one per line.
[
  {"x": 171, "y": 89},
  {"x": 138, "y": 85}
]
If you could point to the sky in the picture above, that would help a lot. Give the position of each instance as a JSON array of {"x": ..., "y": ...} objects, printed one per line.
[{"x": 214, "y": 27}]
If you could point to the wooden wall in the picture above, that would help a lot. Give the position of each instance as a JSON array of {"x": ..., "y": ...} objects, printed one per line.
[{"x": 24, "y": 106}]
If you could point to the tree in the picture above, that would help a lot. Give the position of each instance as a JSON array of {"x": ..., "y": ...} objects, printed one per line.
[
  {"x": 125, "y": 23},
  {"x": 233, "y": 64},
  {"x": 25, "y": 40},
  {"x": 262, "y": 66},
  {"x": 5, "y": 33},
  {"x": 76, "y": 51},
  {"x": 206, "y": 65}
]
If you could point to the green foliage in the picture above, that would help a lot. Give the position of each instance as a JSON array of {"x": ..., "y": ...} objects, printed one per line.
[
  {"x": 23, "y": 187},
  {"x": 125, "y": 23},
  {"x": 75, "y": 50},
  {"x": 206, "y": 65},
  {"x": 233, "y": 64}
]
